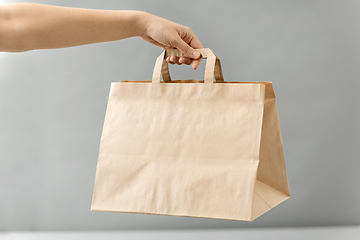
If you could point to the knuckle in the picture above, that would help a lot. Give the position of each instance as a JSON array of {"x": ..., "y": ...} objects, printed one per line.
[
  {"x": 188, "y": 29},
  {"x": 187, "y": 50}
]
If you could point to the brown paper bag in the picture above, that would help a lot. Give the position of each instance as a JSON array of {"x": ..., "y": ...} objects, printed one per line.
[{"x": 194, "y": 148}]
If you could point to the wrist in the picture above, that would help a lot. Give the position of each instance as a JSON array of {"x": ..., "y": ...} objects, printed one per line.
[{"x": 140, "y": 22}]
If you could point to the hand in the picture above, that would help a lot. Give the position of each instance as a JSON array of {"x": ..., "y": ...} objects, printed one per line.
[{"x": 167, "y": 34}]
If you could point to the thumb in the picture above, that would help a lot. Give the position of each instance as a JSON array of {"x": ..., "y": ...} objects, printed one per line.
[{"x": 186, "y": 49}]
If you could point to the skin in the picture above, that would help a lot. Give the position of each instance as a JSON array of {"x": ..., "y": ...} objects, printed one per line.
[{"x": 28, "y": 26}]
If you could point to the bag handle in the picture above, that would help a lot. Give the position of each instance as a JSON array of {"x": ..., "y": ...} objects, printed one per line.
[{"x": 213, "y": 66}]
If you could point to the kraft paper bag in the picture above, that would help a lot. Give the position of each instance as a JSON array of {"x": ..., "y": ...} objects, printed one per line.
[{"x": 196, "y": 148}]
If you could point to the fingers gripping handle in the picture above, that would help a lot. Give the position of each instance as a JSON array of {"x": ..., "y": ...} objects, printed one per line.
[{"x": 213, "y": 66}]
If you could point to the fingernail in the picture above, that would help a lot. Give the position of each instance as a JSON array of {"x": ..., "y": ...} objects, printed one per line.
[{"x": 196, "y": 54}]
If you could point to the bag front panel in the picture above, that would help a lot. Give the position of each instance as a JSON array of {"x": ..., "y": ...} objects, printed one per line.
[{"x": 189, "y": 149}]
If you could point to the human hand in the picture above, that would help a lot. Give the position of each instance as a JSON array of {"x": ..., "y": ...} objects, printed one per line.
[{"x": 167, "y": 34}]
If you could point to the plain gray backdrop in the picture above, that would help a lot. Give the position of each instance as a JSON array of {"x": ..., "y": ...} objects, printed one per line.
[{"x": 53, "y": 102}]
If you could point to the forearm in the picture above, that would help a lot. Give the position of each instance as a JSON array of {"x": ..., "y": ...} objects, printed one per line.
[{"x": 26, "y": 26}]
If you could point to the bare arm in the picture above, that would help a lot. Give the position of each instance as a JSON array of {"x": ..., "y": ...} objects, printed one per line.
[{"x": 28, "y": 26}]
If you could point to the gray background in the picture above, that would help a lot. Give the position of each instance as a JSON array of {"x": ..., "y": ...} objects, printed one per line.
[{"x": 52, "y": 106}]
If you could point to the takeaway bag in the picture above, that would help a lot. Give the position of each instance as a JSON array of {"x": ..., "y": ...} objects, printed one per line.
[{"x": 197, "y": 148}]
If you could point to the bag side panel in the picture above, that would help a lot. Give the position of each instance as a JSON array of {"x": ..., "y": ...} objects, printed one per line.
[{"x": 272, "y": 169}]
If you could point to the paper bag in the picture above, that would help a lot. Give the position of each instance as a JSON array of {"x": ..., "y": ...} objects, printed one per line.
[{"x": 194, "y": 148}]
